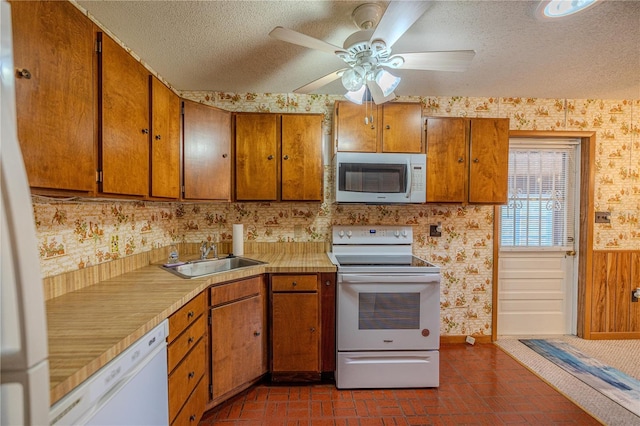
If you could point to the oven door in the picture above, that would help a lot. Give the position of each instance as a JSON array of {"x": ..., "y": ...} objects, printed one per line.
[{"x": 388, "y": 312}]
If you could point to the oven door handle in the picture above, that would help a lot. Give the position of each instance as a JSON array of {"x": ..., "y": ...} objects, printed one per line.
[{"x": 389, "y": 279}]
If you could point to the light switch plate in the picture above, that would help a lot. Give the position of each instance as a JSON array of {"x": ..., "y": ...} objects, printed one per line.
[{"x": 603, "y": 217}]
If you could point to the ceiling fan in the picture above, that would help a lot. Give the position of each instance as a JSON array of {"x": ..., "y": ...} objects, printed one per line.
[{"x": 367, "y": 52}]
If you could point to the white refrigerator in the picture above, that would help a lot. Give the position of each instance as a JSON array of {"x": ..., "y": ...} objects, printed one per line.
[{"x": 24, "y": 369}]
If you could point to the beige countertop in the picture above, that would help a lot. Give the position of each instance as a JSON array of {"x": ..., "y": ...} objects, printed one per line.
[{"x": 89, "y": 327}]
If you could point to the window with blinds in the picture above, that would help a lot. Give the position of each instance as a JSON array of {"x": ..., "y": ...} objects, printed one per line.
[{"x": 540, "y": 209}]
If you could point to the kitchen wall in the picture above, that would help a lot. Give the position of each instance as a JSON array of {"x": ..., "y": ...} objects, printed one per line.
[{"x": 75, "y": 234}]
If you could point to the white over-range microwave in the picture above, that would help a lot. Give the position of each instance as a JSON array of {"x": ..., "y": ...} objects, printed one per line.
[{"x": 380, "y": 178}]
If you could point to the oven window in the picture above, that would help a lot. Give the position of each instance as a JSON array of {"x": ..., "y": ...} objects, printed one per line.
[
  {"x": 388, "y": 311},
  {"x": 366, "y": 177}
]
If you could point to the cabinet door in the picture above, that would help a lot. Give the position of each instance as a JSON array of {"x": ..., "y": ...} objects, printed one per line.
[
  {"x": 125, "y": 122},
  {"x": 302, "y": 157},
  {"x": 55, "y": 42},
  {"x": 295, "y": 332},
  {"x": 238, "y": 344},
  {"x": 165, "y": 141},
  {"x": 446, "y": 160},
  {"x": 402, "y": 127},
  {"x": 489, "y": 160},
  {"x": 356, "y": 127},
  {"x": 207, "y": 152},
  {"x": 257, "y": 154}
]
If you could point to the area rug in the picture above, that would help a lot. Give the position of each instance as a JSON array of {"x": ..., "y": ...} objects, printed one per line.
[{"x": 614, "y": 384}]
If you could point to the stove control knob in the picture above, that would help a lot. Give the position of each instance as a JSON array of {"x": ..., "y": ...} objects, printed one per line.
[
  {"x": 341, "y": 234},
  {"x": 396, "y": 233},
  {"x": 349, "y": 234},
  {"x": 404, "y": 233}
]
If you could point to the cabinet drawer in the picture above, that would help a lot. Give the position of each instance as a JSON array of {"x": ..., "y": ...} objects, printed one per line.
[
  {"x": 180, "y": 320},
  {"x": 187, "y": 340},
  {"x": 294, "y": 282},
  {"x": 185, "y": 378},
  {"x": 237, "y": 290},
  {"x": 194, "y": 407}
]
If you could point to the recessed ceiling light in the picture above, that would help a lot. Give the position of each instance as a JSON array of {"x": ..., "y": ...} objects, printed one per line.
[{"x": 562, "y": 8}]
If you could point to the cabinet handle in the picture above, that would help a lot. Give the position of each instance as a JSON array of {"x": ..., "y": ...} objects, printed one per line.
[
  {"x": 192, "y": 418},
  {"x": 460, "y": 160},
  {"x": 388, "y": 127},
  {"x": 192, "y": 374},
  {"x": 313, "y": 329},
  {"x": 190, "y": 339},
  {"x": 256, "y": 333},
  {"x": 286, "y": 157},
  {"x": 270, "y": 157},
  {"x": 294, "y": 283},
  {"x": 158, "y": 137},
  {"x": 225, "y": 155},
  {"x": 475, "y": 160},
  {"x": 190, "y": 314},
  {"x": 327, "y": 283},
  {"x": 145, "y": 131},
  {"x": 23, "y": 73}
]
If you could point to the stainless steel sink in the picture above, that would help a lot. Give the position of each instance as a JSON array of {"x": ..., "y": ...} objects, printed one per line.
[{"x": 200, "y": 268}]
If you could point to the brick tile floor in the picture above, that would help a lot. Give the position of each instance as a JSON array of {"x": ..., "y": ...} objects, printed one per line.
[{"x": 479, "y": 385}]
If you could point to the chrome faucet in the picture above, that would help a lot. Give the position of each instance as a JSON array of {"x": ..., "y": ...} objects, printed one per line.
[{"x": 205, "y": 248}]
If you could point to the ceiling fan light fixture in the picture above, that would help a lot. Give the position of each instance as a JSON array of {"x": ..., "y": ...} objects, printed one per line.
[
  {"x": 353, "y": 78},
  {"x": 386, "y": 81},
  {"x": 562, "y": 8},
  {"x": 359, "y": 96}
]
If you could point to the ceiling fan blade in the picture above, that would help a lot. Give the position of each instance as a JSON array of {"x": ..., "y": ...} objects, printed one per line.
[
  {"x": 453, "y": 60},
  {"x": 397, "y": 19},
  {"x": 316, "y": 84},
  {"x": 294, "y": 37}
]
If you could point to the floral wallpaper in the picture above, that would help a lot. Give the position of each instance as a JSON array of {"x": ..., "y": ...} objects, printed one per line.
[{"x": 77, "y": 234}]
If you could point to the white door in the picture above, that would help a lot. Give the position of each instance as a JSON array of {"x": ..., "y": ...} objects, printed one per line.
[{"x": 537, "y": 287}]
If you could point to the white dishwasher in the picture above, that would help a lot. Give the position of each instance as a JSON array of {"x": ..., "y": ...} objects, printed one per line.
[{"x": 129, "y": 390}]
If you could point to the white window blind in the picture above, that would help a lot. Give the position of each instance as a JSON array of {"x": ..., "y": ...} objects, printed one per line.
[{"x": 540, "y": 209}]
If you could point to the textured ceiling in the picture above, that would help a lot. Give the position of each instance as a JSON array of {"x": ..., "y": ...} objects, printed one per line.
[{"x": 224, "y": 46}]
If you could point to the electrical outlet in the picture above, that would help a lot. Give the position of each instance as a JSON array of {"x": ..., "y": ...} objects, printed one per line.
[
  {"x": 470, "y": 340},
  {"x": 433, "y": 231},
  {"x": 603, "y": 217}
]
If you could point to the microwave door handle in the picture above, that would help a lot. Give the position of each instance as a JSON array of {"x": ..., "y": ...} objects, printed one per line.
[{"x": 408, "y": 193}]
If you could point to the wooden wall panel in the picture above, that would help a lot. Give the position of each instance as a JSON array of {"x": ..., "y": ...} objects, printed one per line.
[
  {"x": 613, "y": 314},
  {"x": 599, "y": 292}
]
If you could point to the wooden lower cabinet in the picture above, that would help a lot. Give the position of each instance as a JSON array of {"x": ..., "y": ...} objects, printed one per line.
[
  {"x": 186, "y": 359},
  {"x": 614, "y": 314},
  {"x": 238, "y": 338},
  {"x": 295, "y": 327}
]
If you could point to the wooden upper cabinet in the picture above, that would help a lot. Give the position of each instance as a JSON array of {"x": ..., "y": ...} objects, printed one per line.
[
  {"x": 207, "y": 152},
  {"x": 489, "y": 160},
  {"x": 165, "y": 141},
  {"x": 390, "y": 127},
  {"x": 257, "y": 154},
  {"x": 402, "y": 127},
  {"x": 55, "y": 43},
  {"x": 467, "y": 160},
  {"x": 302, "y": 157},
  {"x": 446, "y": 160},
  {"x": 355, "y": 127},
  {"x": 125, "y": 121}
]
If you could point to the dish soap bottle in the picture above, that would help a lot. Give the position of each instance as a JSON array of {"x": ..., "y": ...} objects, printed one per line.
[{"x": 173, "y": 254}]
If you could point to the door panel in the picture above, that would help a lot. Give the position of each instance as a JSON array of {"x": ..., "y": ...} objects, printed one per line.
[{"x": 532, "y": 297}]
